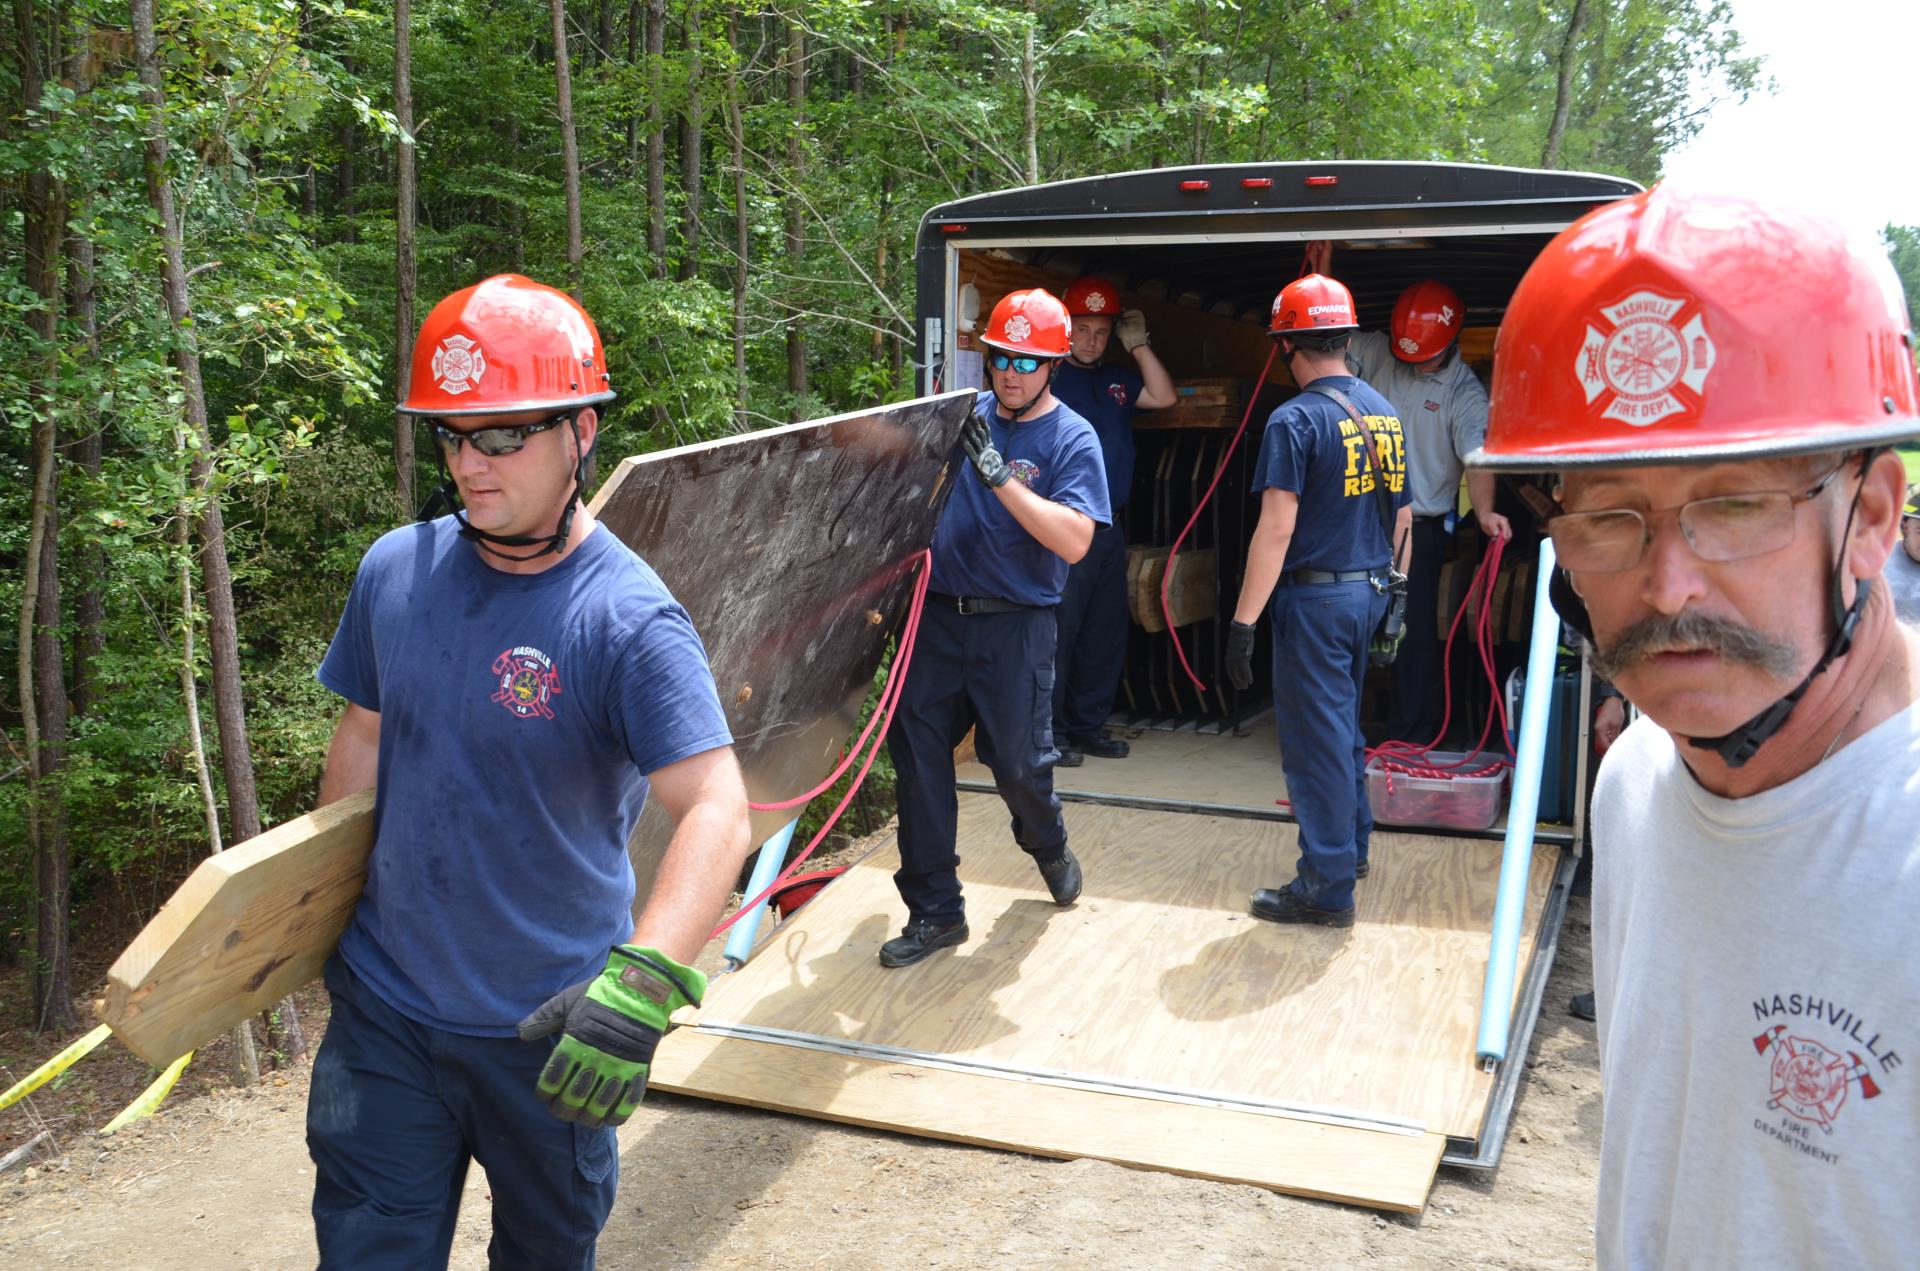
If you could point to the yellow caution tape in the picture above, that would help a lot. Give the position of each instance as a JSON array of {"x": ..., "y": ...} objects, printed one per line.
[
  {"x": 54, "y": 1067},
  {"x": 150, "y": 1097}
]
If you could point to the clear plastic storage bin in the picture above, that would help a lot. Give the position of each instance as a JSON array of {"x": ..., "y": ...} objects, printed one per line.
[{"x": 1455, "y": 801}]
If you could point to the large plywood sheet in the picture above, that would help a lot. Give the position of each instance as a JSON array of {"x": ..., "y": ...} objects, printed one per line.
[
  {"x": 793, "y": 550},
  {"x": 1157, "y": 976}
]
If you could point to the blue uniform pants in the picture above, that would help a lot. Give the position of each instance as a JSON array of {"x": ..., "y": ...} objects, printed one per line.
[
  {"x": 1320, "y": 637},
  {"x": 396, "y": 1111},
  {"x": 1093, "y": 636},
  {"x": 992, "y": 672}
]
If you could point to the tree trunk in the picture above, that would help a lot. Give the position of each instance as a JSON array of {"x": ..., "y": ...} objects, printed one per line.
[
  {"x": 406, "y": 276},
  {"x": 603, "y": 30},
  {"x": 246, "y": 1061},
  {"x": 569, "y": 149},
  {"x": 656, "y": 136},
  {"x": 344, "y": 174},
  {"x": 691, "y": 128},
  {"x": 1563, "y": 90},
  {"x": 742, "y": 224},
  {"x": 43, "y": 691},
  {"x": 796, "y": 211},
  {"x": 634, "y": 24},
  {"x": 1030, "y": 97},
  {"x": 243, "y": 807},
  {"x": 82, "y": 306}
]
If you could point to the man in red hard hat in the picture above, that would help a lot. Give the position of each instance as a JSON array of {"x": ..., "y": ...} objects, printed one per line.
[
  {"x": 1093, "y": 610},
  {"x": 1416, "y": 365},
  {"x": 1717, "y": 383},
  {"x": 984, "y": 656},
  {"x": 518, "y": 682},
  {"x": 1331, "y": 478}
]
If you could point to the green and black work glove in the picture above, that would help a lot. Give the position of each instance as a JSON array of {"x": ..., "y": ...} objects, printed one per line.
[
  {"x": 613, "y": 1022},
  {"x": 977, "y": 438},
  {"x": 1240, "y": 654}
]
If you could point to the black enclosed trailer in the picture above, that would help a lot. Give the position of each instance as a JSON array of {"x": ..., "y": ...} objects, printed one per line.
[{"x": 1203, "y": 250}]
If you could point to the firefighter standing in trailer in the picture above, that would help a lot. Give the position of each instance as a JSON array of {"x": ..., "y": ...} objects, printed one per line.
[
  {"x": 1718, "y": 384},
  {"x": 1443, "y": 415},
  {"x": 1092, "y": 617},
  {"x": 517, "y": 681},
  {"x": 1321, "y": 552},
  {"x": 984, "y": 656}
]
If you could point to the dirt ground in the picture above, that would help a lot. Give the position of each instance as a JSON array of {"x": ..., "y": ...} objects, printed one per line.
[{"x": 221, "y": 1179}]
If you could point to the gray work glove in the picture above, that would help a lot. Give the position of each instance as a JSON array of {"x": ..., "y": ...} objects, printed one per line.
[
  {"x": 1132, "y": 329},
  {"x": 977, "y": 438},
  {"x": 1240, "y": 655}
]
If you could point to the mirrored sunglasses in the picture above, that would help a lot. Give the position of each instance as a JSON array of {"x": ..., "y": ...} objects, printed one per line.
[
  {"x": 500, "y": 439},
  {"x": 1021, "y": 365}
]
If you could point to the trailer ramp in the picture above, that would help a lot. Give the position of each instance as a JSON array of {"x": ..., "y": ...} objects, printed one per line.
[{"x": 1154, "y": 1023}]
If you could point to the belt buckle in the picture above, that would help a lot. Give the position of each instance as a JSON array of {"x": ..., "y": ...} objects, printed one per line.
[{"x": 960, "y": 606}]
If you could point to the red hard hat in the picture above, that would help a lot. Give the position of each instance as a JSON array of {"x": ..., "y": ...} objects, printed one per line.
[
  {"x": 1092, "y": 296},
  {"x": 1680, "y": 326},
  {"x": 1425, "y": 319},
  {"x": 1032, "y": 322},
  {"x": 504, "y": 345},
  {"x": 1313, "y": 303}
]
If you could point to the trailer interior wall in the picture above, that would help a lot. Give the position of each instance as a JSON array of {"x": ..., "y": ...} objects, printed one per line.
[{"x": 1207, "y": 304}]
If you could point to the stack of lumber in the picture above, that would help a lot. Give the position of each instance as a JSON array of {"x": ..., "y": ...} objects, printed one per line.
[
  {"x": 1193, "y": 587},
  {"x": 1200, "y": 403}
]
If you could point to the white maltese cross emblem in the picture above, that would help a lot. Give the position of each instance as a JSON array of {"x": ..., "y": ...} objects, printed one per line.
[
  {"x": 458, "y": 364},
  {"x": 1018, "y": 328},
  {"x": 1639, "y": 365}
]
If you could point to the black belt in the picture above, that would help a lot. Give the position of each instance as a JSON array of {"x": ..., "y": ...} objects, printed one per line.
[
  {"x": 974, "y": 604},
  {"x": 1315, "y": 577}
]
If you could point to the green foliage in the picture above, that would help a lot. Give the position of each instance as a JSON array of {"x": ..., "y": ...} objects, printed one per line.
[
  {"x": 282, "y": 160},
  {"x": 1903, "y": 245}
]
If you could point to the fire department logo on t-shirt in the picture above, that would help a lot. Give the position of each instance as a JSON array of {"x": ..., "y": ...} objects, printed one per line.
[
  {"x": 1810, "y": 1080},
  {"x": 458, "y": 365},
  {"x": 1646, "y": 364},
  {"x": 526, "y": 682},
  {"x": 1118, "y": 392},
  {"x": 1025, "y": 471}
]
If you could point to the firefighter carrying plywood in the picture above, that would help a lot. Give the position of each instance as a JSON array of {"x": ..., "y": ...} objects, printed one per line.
[{"x": 1717, "y": 383}]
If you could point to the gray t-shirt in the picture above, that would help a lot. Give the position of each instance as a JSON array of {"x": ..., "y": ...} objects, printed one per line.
[
  {"x": 1443, "y": 415},
  {"x": 1903, "y": 579},
  {"x": 1759, "y": 1004}
]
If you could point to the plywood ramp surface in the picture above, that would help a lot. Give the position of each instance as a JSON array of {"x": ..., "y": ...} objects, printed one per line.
[
  {"x": 1156, "y": 976},
  {"x": 1218, "y": 769}
]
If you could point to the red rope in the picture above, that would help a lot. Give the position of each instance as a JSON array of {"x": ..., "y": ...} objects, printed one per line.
[
  {"x": 1166, "y": 610},
  {"x": 890, "y": 694}
]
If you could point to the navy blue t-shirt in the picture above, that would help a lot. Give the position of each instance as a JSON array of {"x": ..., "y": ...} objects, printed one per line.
[
  {"x": 518, "y": 716},
  {"x": 979, "y": 549},
  {"x": 1104, "y": 397},
  {"x": 1313, "y": 448}
]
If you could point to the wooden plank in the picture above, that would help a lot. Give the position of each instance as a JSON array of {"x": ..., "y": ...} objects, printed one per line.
[
  {"x": 1158, "y": 974},
  {"x": 1146, "y": 566},
  {"x": 248, "y": 927},
  {"x": 1193, "y": 586},
  {"x": 1384, "y": 1171}
]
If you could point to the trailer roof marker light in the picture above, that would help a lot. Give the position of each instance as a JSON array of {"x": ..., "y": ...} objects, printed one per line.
[
  {"x": 951, "y": 228},
  {"x": 1256, "y": 183},
  {"x": 1196, "y": 187},
  {"x": 1327, "y": 180}
]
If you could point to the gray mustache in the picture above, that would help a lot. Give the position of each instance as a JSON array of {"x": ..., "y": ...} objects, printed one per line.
[{"x": 1688, "y": 631}]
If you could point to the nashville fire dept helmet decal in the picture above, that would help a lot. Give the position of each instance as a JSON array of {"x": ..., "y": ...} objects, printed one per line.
[
  {"x": 1640, "y": 361},
  {"x": 1018, "y": 328},
  {"x": 458, "y": 364},
  {"x": 526, "y": 682}
]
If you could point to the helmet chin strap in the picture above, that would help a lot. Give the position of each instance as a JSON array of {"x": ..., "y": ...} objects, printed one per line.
[
  {"x": 1735, "y": 748},
  {"x": 445, "y": 501}
]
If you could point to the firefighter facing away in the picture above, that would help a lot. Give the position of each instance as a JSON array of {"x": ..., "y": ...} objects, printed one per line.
[
  {"x": 517, "y": 682},
  {"x": 1331, "y": 478}
]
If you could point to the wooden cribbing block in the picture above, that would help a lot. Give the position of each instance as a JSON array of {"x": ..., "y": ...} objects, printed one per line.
[
  {"x": 248, "y": 927},
  {"x": 1193, "y": 588},
  {"x": 1145, "y": 567}
]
